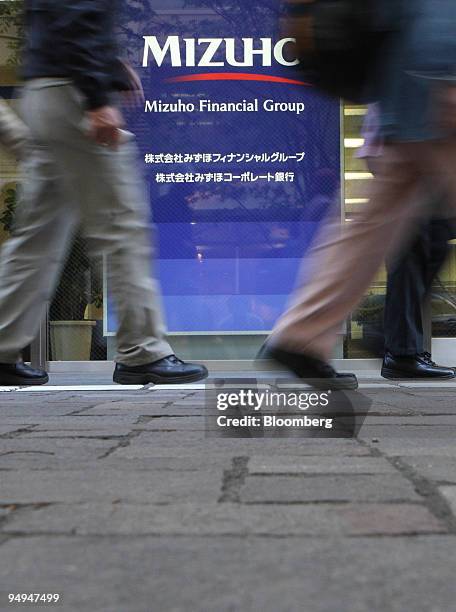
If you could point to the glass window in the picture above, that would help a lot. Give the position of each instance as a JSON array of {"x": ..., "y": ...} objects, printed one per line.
[
  {"x": 364, "y": 337},
  {"x": 443, "y": 297}
]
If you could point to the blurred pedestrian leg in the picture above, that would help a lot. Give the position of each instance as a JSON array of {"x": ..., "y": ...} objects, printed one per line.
[
  {"x": 348, "y": 258},
  {"x": 410, "y": 280},
  {"x": 410, "y": 276},
  {"x": 70, "y": 180}
]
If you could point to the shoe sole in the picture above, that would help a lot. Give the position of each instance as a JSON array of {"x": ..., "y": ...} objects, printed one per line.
[
  {"x": 325, "y": 384},
  {"x": 22, "y": 382},
  {"x": 391, "y": 375},
  {"x": 127, "y": 378}
]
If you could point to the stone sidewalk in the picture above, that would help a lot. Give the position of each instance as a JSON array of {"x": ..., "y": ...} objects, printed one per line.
[{"x": 118, "y": 501}]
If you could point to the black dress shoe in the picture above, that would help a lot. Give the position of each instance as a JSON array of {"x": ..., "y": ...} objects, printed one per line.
[
  {"x": 414, "y": 366},
  {"x": 21, "y": 375},
  {"x": 170, "y": 370},
  {"x": 313, "y": 371}
]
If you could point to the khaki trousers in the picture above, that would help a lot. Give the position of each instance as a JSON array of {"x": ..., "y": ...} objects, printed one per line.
[
  {"x": 71, "y": 182},
  {"x": 345, "y": 260}
]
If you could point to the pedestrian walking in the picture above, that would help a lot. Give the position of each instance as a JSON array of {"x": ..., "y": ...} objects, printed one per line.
[
  {"x": 413, "y": 84},
  {"x": 81, "y": 172},
  {"x": 410, "y": 277}
]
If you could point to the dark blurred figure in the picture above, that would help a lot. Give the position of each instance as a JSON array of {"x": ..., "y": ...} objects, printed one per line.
[
  {"x": 412, "y": 84},
  {"x": 409, "y": 282},
  {"x": 410, "y": 279},
  {"x": 81, "y": 171}
]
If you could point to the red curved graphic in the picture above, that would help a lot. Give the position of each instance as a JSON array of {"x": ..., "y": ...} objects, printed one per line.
[{"x": 234, "y": 76}]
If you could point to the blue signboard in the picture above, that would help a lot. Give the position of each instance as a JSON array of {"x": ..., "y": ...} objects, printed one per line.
[{"x": 241, "y": 157}]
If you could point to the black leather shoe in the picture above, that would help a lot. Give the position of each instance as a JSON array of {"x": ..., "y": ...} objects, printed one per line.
[
  {"x": 170, "y": 371},
  {"x": 414, "y": 366},
  {"x": 21, "y": 375},
  {"x": 313, "y": 371}
]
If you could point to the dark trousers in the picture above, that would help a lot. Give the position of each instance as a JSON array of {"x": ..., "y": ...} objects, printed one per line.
[{"x": 410, "y": 278}]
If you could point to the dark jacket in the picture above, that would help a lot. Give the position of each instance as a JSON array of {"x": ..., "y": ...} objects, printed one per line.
[
  {"x": 74, "y": 39},
  {"x": 414, "y": 66}
]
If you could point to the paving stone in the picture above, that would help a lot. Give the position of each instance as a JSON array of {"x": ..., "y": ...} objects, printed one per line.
[
  {"x": 25, "y": 443},
  {"x": 35, "y": 409},
  {"x": 293, "y": 489},
  {"x": 432, "y": 404},
  {"x": 449, "y": 493},
  {"x": 183, "y": 403},
  {"x": 440, "y": 469},
  {"x": 143, "y": 529},
  {"x": 108, "y": 485},
  {"x": 411, "y": 447},
  {"x": 5, "y": 430},
  {"x": 164, "y": 423},
  {"x": 389, "y": 519},
  {"x": 388, "y": 409},
  {"x": 180, "y": 461},
  {"x": 413, "y": 431},
  {"x": 173, "y": 421},
  {"x": 425, "y": 392},
  {"x": 47, "y": 462},
  {"x": 230, "y": 574},
  {"x": 422, "y": 402},
  {"x": 224, "y": 519},
  {"x": 144, "y": 408},
  {"x": 22, "y": 452},
  {"x": 112, "y": 431},
  {"x": 119, "y": 406},
  {"x": 68, "y": 422},
  {"x": 4, "y": 512},
  {"x": 278, "y": 464},
  {"x": 121, "y": 394},
  {"x": 420, "y": 421},
  {"x": 156, "y": 443},
  {"x": 441, "y": 408},
  {"x": 84, "y": 422}
]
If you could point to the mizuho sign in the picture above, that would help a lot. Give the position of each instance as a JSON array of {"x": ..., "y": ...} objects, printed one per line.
[{"x": 205, "y": 52}]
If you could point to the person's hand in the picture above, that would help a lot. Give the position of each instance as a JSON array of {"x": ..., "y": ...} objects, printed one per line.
[
  {"x": 105, "y": 124},
  {"x": 134, "y": 96}
]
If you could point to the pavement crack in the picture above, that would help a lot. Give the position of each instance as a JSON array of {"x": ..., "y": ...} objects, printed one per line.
[
  {"x": 18, "y": 432},
  {"x": 124, "y": 441},
  {"x": 429, "y": 491},
  {"x": 26, "y": 452},
  {"x": 233, "y": 480},
  {"x": 148, "y": 418},
  {"x": 81, "y": 411}
]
